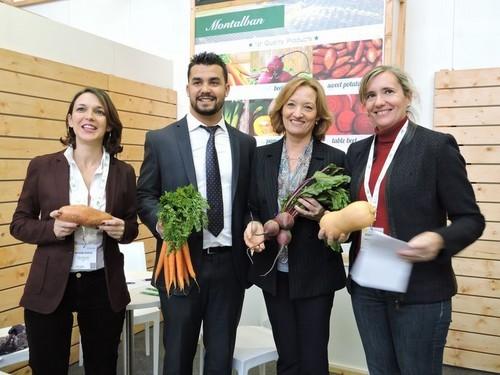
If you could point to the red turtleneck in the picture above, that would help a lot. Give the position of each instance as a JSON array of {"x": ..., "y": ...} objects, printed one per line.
[{"x": 383, "y": 143}]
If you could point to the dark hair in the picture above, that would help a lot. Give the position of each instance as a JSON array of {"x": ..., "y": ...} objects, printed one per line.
[
  {"x": 324, "y": 117},
  {"x": 112, "y": 138},
  {"x": 207, "y": 58}
]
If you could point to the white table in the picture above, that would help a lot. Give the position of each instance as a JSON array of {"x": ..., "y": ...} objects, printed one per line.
[{"x": 138, "y": 300}]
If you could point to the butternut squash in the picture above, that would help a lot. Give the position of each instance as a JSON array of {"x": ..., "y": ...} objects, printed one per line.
[
  {"x": 355, "y": 216},
  {"x": 83, "y": 215}
]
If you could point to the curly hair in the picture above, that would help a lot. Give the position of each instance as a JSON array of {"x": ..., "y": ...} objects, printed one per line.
[{"x": 112, "y": 138}]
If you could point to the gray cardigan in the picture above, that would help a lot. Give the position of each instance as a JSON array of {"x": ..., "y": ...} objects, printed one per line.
[{"x": 426, "y": 185}]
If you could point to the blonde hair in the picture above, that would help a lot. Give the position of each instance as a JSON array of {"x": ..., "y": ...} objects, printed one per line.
[
  {"x": 403, "y": 79},
  {"x": 324, "y": 117}
]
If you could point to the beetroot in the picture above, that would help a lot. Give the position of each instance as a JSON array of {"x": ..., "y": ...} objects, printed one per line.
[
  {"x": 265, "y": 77},
  {"x": 284, "y": 237},
  {"x": 275, "y": 65},
  {"x": 285, "y": 220},
  {"x": 271, "y": 228},
  {"x": 344, "y": 120},
  {"x": 284, "y": 76}
]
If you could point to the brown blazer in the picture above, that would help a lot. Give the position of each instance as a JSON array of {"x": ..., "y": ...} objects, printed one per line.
[{"x": 46, "y": 188}]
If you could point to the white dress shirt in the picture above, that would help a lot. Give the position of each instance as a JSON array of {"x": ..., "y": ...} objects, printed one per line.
[
  {"x": 88, "y": 241},
  {"x": 199, "y": 138}
]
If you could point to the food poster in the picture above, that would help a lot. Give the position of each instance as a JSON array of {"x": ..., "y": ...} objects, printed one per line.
[{"x": 265, "y": 45}]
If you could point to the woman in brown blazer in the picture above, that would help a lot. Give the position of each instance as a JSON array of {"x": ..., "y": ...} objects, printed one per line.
[{"x": 77, "y": 269}]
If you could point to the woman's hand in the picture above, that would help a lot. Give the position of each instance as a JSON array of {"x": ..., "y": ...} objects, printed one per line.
[
  {"x": 254, "y": 236},
  {"x": 62, "y": 228},
  {"x": 423, "y": 247},
  {"x": 329, "y": 238},
  {"x": 113, "y": 227},
  {"x": 310, "y": 208}
]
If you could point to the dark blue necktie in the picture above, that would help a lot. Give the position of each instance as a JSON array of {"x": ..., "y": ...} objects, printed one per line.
[{"x": 214, "y": 189}]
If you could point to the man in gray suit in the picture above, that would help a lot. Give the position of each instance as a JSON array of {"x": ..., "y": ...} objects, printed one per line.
[{"x": 176, "y": 156}]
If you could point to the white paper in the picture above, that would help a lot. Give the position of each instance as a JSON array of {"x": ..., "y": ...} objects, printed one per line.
[{"x": 378, "y": 265}]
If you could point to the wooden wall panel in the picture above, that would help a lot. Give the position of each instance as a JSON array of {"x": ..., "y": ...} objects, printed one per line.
[
  {"x": 467, "y": 106},
  {"x": 34, "y": 98}
]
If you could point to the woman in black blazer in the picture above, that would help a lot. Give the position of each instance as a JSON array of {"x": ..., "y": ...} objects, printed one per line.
[
  {"x": 424, "y": 185},
  {"x": 299, "y": 285}
]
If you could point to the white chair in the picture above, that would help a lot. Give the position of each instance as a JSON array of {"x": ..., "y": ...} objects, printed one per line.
[
  {"x": 254, "y": 339},
  {"x": 15, "y": 357},
  {"x": 254, "y": 347},
  {"x": 136, "y": 273}
]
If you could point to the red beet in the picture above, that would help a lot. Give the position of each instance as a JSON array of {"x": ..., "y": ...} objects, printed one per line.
[
  {"x": 275, "y": 65},
  {"x": 284, "y": 237},
  {"x": 344, "y": 121},
  {"x": 285, "y": 220},
  {"x": 271, "y": 228},
  {"x": 265, "y": 77},
  {"x": 284, "y": 76}
]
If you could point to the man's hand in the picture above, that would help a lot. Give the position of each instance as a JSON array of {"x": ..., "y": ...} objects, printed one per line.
[{"x": 254, "y": 236}]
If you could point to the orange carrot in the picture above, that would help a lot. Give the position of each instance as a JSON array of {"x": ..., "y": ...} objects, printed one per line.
[
  {"x": 179, "y": 268},
  {"x": 166, "y": 274},
  {"x": 161, "y": 257},
  {"x": 187, "y": 259},
  {"x": 238, "y": 79},
  {"x": 171, "y": 270}
]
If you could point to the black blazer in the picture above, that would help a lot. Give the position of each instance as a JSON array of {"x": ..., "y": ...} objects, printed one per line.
[
  {"x": 425, "y": 184},
  {"x": 314, "y": 269},
  {"x": 168, "y": 164},
  {"x": 45, "y": 189}
]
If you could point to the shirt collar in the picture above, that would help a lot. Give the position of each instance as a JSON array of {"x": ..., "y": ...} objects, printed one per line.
[
  {"x": 194, "y": 123},
  {"x": 68, "y": 153}
]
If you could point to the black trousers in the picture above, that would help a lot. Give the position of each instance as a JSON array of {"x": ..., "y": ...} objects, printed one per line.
[
  {"x": 49, "y": 335},
  {"x": 301, "y": 330},
  {"x": 217, "y": 304}
]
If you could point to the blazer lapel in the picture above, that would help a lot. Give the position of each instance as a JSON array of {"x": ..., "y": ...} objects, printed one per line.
[
  {"x": 235, "y": 155},
  {"x": 272, "y": 160},
  {"x": 61, "y": 173},
  {"x": 184, "y": 148},
  {"x": 317, "y": 159},
  {"x": 111, "y": 185}
]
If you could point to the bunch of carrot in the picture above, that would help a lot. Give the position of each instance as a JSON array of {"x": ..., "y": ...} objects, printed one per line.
[
  {"x": 177, "y": 267},
  {"x": 181, "y": 212}
]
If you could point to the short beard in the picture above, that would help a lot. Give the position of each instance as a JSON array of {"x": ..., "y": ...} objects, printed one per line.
[{"x": 207, "y": 112}]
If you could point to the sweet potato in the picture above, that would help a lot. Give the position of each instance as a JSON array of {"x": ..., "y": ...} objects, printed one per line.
[{"x": 83, "y": 215}]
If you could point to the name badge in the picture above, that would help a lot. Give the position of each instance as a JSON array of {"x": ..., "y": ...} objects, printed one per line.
[{"x": 85, "y": 257}]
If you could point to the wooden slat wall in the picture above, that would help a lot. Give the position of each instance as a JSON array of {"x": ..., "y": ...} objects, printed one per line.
[
  {"x": 34, "y": 97},
  {"x": 467, "y": 105}
]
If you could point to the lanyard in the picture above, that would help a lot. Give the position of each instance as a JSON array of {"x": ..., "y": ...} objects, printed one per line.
[{"x": 373, "y": 199}]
